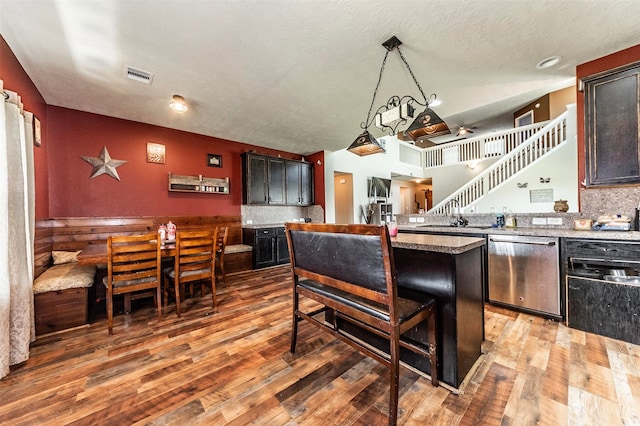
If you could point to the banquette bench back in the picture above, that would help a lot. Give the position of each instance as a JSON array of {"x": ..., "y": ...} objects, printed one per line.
[
  {"x": 42, "y": 247},
  {"x": 75, "y": 233}
]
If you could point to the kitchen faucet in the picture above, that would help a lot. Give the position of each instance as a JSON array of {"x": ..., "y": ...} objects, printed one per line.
[{"x": 460, "y": 221}]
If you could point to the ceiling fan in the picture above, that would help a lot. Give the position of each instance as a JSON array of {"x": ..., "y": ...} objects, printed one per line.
[{"x": 463, "y": 130}]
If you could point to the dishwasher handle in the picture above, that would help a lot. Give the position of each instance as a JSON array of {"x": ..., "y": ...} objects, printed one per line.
[{"x": 535, "y": 243}]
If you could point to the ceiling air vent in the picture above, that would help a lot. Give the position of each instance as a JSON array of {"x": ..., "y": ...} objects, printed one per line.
[{"x": 139, "y": 75}]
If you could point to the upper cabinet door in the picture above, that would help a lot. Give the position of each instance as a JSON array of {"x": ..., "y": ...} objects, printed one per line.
[
  {"x": 255, "y": 189},
  {"x": 293, "y": 183},
  {"x": 276, "y": 180},
  {"x": 306, "y": 184},
  {"x": 612, "y": 115}
]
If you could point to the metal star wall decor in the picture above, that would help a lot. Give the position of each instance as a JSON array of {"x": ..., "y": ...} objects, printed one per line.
[{"x": 104, "y": 164}]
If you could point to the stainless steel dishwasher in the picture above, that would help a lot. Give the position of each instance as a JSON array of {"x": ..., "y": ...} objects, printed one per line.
[{"x": 524, "y": 273}]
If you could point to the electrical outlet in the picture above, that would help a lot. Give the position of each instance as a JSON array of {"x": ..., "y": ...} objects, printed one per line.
[
  {"x": 249, "y": 221},
  {"x": 554, "y": 221},
  {"x": 413, "y": 219},
  {"x": 539, "y": 221},
  {"x": 421, "y": 219}
]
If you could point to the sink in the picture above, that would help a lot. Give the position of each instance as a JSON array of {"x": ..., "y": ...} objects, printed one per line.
[{"x": 456, "y": 227}]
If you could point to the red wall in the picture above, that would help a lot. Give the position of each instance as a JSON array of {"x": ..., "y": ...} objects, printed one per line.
[
  {"x": 318, "y": 160},
  {"x": 16, "y": 79},
  {"x": 605, "y": 63},
  {"x": 142, "y": 189}
]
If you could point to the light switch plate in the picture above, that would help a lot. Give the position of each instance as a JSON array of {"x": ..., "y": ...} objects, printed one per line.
[
  {"x": 554, "y": 221},
  {"x": 539, "y": 221}
]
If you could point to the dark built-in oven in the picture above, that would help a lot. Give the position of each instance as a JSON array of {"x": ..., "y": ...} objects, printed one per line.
[{"x": 602, "y": 279}]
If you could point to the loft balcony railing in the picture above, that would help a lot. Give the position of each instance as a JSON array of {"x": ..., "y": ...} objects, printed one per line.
[
  {"x": 550, "y": 136},
  {"x": 479, "y": 148}
]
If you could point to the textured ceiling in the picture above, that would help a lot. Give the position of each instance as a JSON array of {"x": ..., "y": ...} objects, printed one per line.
[{"x": 298, "y": 75}]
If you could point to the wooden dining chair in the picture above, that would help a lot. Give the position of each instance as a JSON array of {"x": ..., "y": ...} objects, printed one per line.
[
  {"x": 221, "y": 244},
  {"x": 133, "y": 269},
  {"x": 194, "y": 261}
]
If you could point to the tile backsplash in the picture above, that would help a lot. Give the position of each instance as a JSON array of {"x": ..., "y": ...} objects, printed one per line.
[
  {"x": 612, "y": 200},
  {"x": 259, "y": 215}
]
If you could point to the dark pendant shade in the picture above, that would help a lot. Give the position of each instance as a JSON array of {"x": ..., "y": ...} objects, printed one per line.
[
  {"x": 428, "y": 123},
  {"x": 365, "y": 144}
]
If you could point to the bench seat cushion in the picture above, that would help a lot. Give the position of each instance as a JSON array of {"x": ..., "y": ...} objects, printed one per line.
[
  {"x": 407, "y": 308},
  {"x": 62, "y": 277},
  {"x": 237, "y": 248}
]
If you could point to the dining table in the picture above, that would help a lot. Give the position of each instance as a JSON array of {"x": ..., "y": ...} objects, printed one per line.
[{"x": 96, "y": 254}]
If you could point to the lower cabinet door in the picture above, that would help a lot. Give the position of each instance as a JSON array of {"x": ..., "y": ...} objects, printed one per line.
[
  {"x": 603, "y": 307},
  {"x": 265, "y": 253},
  {"x": 282, "y": 249}
]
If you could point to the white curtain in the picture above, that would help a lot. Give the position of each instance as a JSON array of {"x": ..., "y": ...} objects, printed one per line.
[{"x": 17, "y": 217}]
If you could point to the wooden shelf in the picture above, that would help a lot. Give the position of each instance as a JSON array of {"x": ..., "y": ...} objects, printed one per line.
[{"x": 199, "y": 184}]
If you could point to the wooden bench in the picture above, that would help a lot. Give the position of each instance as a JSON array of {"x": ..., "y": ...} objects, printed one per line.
[
  {"x": 349, "y": 270},
  {"x": 60, "y": 285},
  {"x": 64, "y": 308}
]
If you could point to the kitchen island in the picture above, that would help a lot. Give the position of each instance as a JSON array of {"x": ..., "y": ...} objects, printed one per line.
[{"x": 447, "y": 268}]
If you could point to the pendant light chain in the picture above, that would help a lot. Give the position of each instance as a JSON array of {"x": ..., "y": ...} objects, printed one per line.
[
  {"x": 412, "y": 76},
  {"x": 366, "y": 124}
]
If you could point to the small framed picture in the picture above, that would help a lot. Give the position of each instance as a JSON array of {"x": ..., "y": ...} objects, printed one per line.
[
  {"x": 155, "y": 153},
  {"x": 214, "y": 160},
  {"x": 37, "y": 135}
]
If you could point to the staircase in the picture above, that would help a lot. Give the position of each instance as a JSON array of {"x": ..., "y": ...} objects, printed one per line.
[{"x": 532, "y": 149}]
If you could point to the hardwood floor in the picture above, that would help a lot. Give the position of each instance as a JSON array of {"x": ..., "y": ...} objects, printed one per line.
[{"x": 234, "y": 367}]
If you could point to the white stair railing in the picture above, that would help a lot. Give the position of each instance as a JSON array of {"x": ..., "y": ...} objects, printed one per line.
[
  {"x": 535, "y": 147},
  {"x": 477, "y": 148}
]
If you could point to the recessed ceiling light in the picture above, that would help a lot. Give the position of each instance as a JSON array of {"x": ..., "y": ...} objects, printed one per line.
[
  {"x": 549, "y": 62},
  {"x": 178, "y": 104}
]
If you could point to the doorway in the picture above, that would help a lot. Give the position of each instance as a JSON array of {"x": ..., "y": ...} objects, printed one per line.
[
  {"x": 343, "y": 197},
  {"x": 405, "y": 201}
]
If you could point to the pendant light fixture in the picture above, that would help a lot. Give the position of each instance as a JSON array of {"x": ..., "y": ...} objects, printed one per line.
[
  {"x": 365, "y": 144},
  {"x": 397, "y": 111}
]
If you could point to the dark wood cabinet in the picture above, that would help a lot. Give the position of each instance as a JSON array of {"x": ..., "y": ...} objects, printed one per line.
[
  {"x": 276, "y": 181},
  {"x": 254, "y": 171},
  {"x": 269, "y": 246},
  {"x": 612, "y": 111}
]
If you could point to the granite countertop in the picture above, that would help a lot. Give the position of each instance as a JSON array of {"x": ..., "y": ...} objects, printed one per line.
[
  {"x": 436, "y": 243},
  {"x": 263, "y": 225},
  {"x": 531, "y": 231}
]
